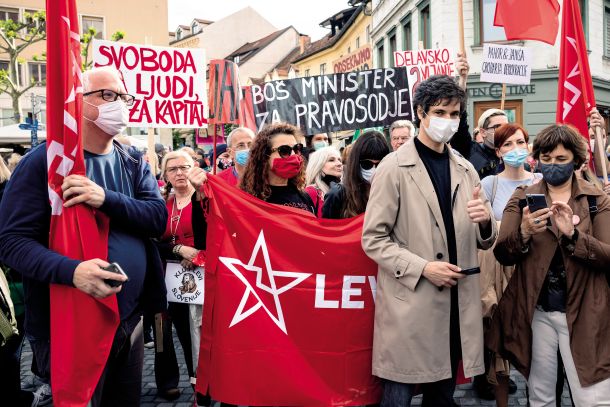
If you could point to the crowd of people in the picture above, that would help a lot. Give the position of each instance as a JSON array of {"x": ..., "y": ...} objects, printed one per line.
[{"x": 472, "y": 275}]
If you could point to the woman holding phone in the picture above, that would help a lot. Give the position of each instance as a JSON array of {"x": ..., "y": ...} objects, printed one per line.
[{"x": 559, "y": 295}]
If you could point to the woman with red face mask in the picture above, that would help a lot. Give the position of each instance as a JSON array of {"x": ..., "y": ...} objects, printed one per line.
[{"x": 275, "y": 171}]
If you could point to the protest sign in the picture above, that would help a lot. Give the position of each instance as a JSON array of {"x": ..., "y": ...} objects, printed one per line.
[
  {"x": 185, "y": 286},
  {"x": 168, "y": 83},
  {"x": 359, "y": 60},
  {"x": 246, "y": 110},
  {"x": 225, "y": 93},
  {"x": 343, "y": 101},
  {"x": 506, "y": 64},
  {"x": 424, "y": 63}
]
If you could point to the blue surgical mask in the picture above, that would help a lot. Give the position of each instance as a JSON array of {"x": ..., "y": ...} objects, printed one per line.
[
  {"x": 556, "y": 174},
  {"x": 515, "y": 157},
  {"x": 320, "y": 144},
  {"x": 241, "y": 157}
]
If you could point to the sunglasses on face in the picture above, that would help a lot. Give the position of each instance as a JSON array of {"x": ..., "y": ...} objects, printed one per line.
[
  {"x": 368, "y": 164},
  {"x": 286, "y": 150}
]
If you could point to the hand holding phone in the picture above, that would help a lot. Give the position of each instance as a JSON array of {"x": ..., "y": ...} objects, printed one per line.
[
  {"x": 115, "y": 268},
  {"x": 536, "y": 216}
]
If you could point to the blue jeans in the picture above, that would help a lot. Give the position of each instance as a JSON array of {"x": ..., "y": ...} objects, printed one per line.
[{"x": 437, "y": 394}]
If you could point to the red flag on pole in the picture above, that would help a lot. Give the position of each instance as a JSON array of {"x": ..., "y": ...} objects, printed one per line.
[
  {"x": 292, "y": 323},
  {"x": 82, "y": 328},
  {"x": 575, "y": 97},
  {"x": 528, "y": 20}
]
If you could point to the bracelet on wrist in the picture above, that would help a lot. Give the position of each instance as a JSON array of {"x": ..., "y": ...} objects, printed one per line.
[{"x": 176, "y": 249}]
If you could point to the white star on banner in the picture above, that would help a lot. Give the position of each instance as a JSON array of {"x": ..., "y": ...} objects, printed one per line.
[{"x": 241, "y": 313}]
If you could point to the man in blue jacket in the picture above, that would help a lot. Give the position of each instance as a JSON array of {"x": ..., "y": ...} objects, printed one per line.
[{"x": 119, "y": 184}]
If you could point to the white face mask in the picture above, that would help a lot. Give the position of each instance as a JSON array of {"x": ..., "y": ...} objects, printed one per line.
[
  {"x": 368, "y": 174},
  {"x": 441, "y": 130},
  {"x": 112, "y": 117}
]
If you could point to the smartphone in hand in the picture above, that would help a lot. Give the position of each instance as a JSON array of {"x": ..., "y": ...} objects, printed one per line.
[
  {"x": 535, "y": 202},
  {"x": 114, "y": 268}
]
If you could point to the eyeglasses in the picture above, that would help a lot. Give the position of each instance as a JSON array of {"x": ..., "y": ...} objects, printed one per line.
[
  {"x": 183, "y": 168},
  {"x": 286, "y": 150},
  {"x": 493, "y": 128},
  {"x": 242, "y": 146},
  {"x": 368, "y": 164},
  {"x": 110, "y": 96}
]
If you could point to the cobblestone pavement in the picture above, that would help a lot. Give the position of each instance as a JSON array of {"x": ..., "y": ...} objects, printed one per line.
[{"x": 464, "y": 395}]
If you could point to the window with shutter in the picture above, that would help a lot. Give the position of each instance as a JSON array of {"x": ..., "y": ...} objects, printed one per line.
[{"x": 607, "y": 28}]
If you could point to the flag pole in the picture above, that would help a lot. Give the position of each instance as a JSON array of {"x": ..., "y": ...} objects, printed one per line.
[
  {"x": 461, "y": 27},
  {"x": 214, "y": 154},
  {"x": 601, "y": 153},
  {"x": 503, "y": 96}
]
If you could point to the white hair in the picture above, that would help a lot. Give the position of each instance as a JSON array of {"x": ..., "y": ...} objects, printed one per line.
[
  {"x": 172, "y": 155},
  {"x": 399, "y": 124},
  {"x": 315, "y": 165},
  {"x": 96, "y": 71},
  {"x": 246, "y": 130}
]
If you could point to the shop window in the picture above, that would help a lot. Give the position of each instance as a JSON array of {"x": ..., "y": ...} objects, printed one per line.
[{"x": 513, "y": 109}]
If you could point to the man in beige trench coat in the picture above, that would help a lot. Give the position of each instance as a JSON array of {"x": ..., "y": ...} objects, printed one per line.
[{"x": 424, "y": 221}]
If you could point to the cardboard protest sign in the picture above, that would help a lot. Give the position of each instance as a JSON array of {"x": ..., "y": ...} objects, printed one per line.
[
  {"x": 246, "y": 110},
  {"x": 424, "y": 63},
  {"x": 506, "y": 64},
  {"x": 225, "y": 92},
  {"x": 185, "y": 286},
  {"x": 343, "y": 101},
  {"x": 359, "y": 60},
  {"x": 168, "y": 83}
]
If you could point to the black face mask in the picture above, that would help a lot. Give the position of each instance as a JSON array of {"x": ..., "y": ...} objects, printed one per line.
[
  {"x": 327, "y": 179},
  {"x": 556, "y": 174},
  {"x": 224, "y": 164}
]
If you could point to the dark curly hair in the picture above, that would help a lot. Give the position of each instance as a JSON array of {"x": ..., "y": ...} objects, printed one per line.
[
  {"x": 255, "y": 179},
  {"x": 371, "y": 145},
  {"x": 435, "y": 90}
]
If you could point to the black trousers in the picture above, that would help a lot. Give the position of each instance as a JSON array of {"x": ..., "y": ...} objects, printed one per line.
[
  {"x": 167, "y": 372},
  {"x": 121, "y": 381}
]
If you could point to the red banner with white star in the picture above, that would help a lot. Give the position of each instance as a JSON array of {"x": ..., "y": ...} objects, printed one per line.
[{"x": 289, "y": 306}]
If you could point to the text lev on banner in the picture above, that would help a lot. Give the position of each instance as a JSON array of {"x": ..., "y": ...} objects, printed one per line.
[
  {"x": 168, "y": 83},
  {"x": 506, "y": 64},
  {"x": 343, "y": 101},
  {"x": 225, "y": 92}
]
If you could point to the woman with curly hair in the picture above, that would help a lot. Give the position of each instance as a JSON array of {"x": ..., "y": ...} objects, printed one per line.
[
  {"x": 275, "y": 172},
  {"x": 349, "y": 198}
]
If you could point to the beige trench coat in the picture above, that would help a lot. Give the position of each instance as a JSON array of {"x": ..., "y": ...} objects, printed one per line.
[{"x": 403, "y": 231}]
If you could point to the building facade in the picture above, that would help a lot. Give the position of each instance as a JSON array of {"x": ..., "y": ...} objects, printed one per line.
[
  {"x": 400, "y": 25},
  {"x": 134, "y": 18},
  {"x": 349, "y": 34}
]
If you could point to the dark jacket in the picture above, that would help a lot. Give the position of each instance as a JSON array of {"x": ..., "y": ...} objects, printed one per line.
[
  {"x": 482, "y": 158},
  {"x": 333, "y": 202},
  {"x": 25, "y": 216},
  {"x": 588, "y": 294}
]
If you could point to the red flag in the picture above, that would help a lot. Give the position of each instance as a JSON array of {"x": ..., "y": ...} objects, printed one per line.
[
  {"x": 528, "y": 20},
  {"x": 289, "y": 306},
  {"x": 575, "y": 97},
  {"x": 82, "y": 328},
  {"x": 224, "y": 92}
]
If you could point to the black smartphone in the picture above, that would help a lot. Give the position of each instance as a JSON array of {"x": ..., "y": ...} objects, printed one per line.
[
  {"x": 115, "y": 268},
  {"x": 536, "y": 202},
  {"x": 470, "y": 271}
]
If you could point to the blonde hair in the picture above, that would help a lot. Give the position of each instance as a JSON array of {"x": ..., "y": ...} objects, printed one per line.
[
  {"x": 13, "y": 161},
  {"x": 5, "y": 173},
  {"x": 317, "y": 160},
  {"x": 172, "y": 155}
]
